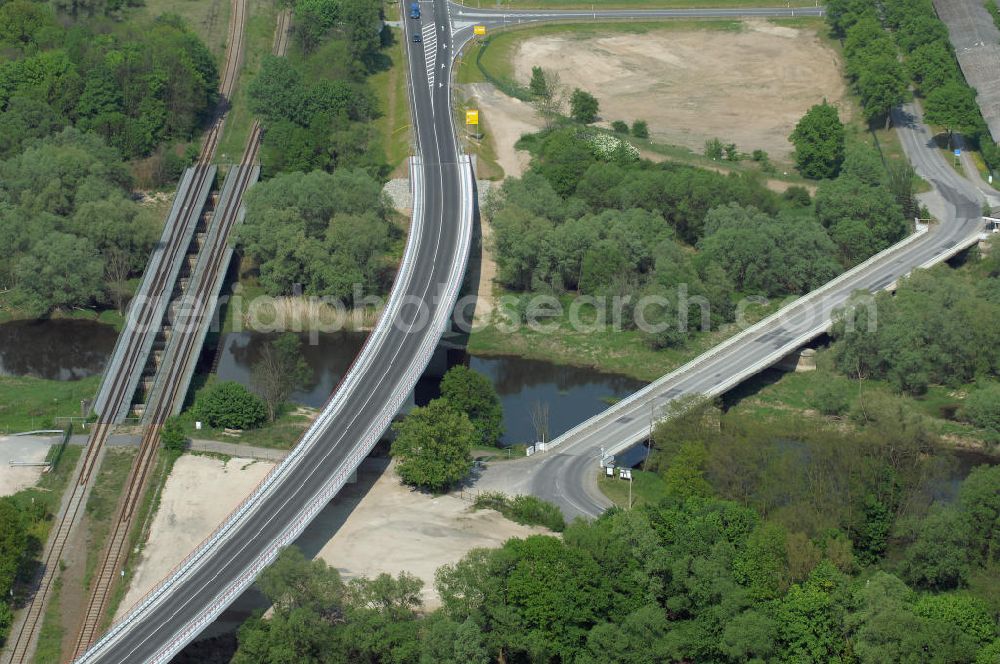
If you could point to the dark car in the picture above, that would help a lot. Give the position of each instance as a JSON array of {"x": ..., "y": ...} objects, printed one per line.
[{"x": 417, "y": 38}]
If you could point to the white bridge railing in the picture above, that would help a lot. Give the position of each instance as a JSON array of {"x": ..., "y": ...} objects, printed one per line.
[{"x": 325, "y": 420}]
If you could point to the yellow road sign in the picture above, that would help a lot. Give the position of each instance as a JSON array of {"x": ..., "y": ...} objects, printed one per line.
[
  {"x": 479, "y": 29},
  {"x": 472, "y": 117}
]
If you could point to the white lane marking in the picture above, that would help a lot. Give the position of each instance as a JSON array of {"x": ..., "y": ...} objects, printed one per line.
[{"x": 429, "y": 34}]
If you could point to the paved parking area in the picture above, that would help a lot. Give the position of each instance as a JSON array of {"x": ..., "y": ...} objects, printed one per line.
[{"x": 21, "y": 448}]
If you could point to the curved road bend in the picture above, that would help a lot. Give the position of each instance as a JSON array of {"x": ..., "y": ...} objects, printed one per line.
[
  {"x": 567, "y": 475},
  {"x": 162, "y": 627}
]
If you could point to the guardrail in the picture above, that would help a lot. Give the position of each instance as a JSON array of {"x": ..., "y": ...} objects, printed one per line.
[
  {"x": 650, "y": 390},
  {"x": 334, "y": 405},
  {"x": 185, "y": 317},
  {"x": 811, "y": 333},
  {"x": 178, "y": 214}
]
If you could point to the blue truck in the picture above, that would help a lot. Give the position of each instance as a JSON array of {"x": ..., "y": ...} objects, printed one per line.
[{"x": 415, "y": 10}]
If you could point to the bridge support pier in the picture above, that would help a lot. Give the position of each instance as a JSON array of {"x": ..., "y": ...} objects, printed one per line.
[{"x": 798, "y": 361}]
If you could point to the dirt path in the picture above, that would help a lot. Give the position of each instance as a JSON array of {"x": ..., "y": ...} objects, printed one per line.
[
  {"x": 508, "y": 119},
  {"x": 749, "y": 87}
]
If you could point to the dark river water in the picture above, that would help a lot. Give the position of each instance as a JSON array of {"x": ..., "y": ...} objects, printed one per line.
[
  {"x": 55, "y": 349},
  {"x": 571, "y": 394},
  {"x": 74, "y": 349}
]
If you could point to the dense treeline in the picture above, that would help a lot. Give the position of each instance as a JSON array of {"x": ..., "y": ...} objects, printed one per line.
[
  {"x": 798, "y": 552},
  {"x": 75, "y": 100},
  {"x": 605, "y": 223},
  {"x": 938, "y": 329},
  {"x": 317, "y": 107},
  {"x": 331, "y": 235},
  {"x": 881, "y": 78},
  {"x": 136, "y": 88},
  {"x": 72, "y": 231},
  {"x": 327, "y": 233}
]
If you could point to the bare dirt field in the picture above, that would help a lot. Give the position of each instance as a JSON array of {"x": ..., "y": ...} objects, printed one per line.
[
  {"x": 199, "y": 493},
  {"x": 378, "y": 525},
  {"x": 374, "y": 525},
  {"x": 748, "y": 87},
  {"x": 21, "y": 448}
]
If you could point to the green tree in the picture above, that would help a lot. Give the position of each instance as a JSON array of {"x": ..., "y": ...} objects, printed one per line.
[
  {"x": 472, "y": 393},
  {"x": 766, "y": 255},
  {"x": 583, "y": 106},
  {"x": 433, "y": 445},
  {"x": 229, "y": 405},
  {"x": 979, "y": 497},
  {"x": 685, "y": 474},
  {"x": 881, "y": 86},
  {"x": 293, "y": 582},
  {"x": 62, "y": 271},
  {"x": 294, "y": 637},
  {"x": 938, "y": 557},
  {"x": 982, "y": 407},
  {"x": 848, "y": 197},
  {"x": 762, "y": 565},
  {"x": 819, "y": 142},
  {"x": 538, "y": 85},
  {"x": 959, "y": 624},
  {"x": 882, "y": 626},
  {"x": 931, "y": 65},
  {"x": 280, "y": 370},
  {"x": 843, "y": 14},
  {"x": 13, "y": 545},
  {"x": 325, "y": 232},
  {"x": 538, "y": 598},
  {"x": 619, "y": 127},
  {"x": 810, "y": 618},
  {"x": 640, "y": 129},
  {"x": 172, "y": 437},
  {"x": 953, "y": 106}
]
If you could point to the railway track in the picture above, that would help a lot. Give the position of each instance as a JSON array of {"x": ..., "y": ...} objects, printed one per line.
[
  {"x": 21, "y": 647},
  {"x": 187, "y": 327},
  {"x": 234, "y": 58}
]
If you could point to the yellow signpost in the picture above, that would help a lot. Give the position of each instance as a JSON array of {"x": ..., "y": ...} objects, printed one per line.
[
  {"x": 479, "y": 29},
  {"x": 472, "y": 117}
]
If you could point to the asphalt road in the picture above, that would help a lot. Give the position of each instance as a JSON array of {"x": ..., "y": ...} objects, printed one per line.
[
  {"x": 567, "y": 475},
  {"x": 564, "y": 476},
  {"x": 160, "y": 628}
]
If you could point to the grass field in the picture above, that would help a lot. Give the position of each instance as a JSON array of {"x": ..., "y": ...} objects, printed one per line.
[
  {"x": 32, "y": 403},
  {"x": 647, "y": 488},
  {"x": 209, "y": 19},
  {"x": 480, "y": 144},
  {"x": 394, "y": 126},
  {"x": 623, "y": 352},
  {"x": 258, "y": 39},
  {"x": 100, "y": 511},
  {"x": 137, "y": 534},
  {"x": 102, "y": 504}
]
